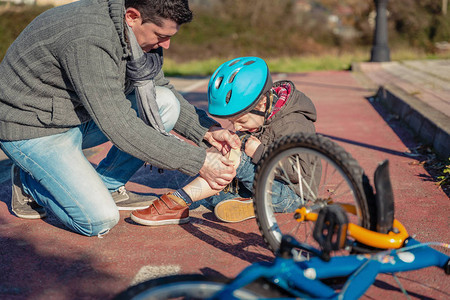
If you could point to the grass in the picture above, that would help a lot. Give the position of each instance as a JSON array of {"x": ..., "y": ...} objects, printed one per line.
[
  {"x": 330, "y": 61},
  {"x": 276, "y": 65},
  {"x": 14, "y": 18}
]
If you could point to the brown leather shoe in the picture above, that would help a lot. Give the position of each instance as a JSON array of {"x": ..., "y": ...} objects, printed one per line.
[{"x": 168, "y": 209}]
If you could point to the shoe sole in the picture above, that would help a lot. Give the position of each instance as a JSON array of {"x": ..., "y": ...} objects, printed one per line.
[
  {"x": 158, "y": 223},
  {"x": 233, "y": 211},
  {"x": 31, "y": 217},
  {"x": 128, "y": 204},
  {"x": 38, "y": 215},
  {"x": 128, "y": 208}
]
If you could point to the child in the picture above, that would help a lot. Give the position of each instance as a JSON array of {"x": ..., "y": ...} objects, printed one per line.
[{"x": 242, "y": 91}]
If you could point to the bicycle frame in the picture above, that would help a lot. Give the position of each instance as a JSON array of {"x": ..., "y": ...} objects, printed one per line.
[
  {"x": 302, "y": 279},
  {"x": 367, "y": 237}
]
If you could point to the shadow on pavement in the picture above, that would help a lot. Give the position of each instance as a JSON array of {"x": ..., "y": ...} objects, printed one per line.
[
  {"x": 210, "y": 232},
  {"x": 389, "y": 287},
  {"x": 422, "y": 153},
  {"x": 377, "y": 148},
  {"x": 26, "y": 273},
  {"x": 246, "y": 246}
]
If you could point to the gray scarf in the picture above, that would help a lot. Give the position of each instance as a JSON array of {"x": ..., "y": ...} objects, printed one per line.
[{"x": 141, "y": 70}]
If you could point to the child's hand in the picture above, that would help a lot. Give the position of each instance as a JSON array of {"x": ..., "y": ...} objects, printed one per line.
[
  {"x": 222, "y": 139},
  {"x": 251, "y": 145}
]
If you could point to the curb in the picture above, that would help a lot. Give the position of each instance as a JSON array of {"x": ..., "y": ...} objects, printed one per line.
[{"x": 430, "y": 125}]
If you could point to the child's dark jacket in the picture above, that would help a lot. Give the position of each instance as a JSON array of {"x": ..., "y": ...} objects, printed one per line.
[{"x": 298, "y": 114}]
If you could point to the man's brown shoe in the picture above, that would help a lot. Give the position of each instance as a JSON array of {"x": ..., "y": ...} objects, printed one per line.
[
  {"x": 235, "y": 210},
  {"x": 168, "y": 209}
]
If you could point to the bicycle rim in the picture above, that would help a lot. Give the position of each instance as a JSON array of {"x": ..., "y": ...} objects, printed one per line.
[
  {"x": 339, "y": 180},
  {"x": 191, "y": 286}
]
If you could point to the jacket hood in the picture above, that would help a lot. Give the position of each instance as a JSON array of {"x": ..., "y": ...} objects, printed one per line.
[{"x": 303, "y": 106}]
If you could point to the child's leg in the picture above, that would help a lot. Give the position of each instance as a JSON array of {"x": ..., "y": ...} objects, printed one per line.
[
  {"x": 199, "y": 188},
  {"x": 239, "y": 207},
  {"x": 172, "y": 208},
  {"x": 242, "y": 192},
  {"x": 236, "y": 206},
  {"x": 284, "y": 199},
  {"x": 196, "y": 190},
  {"x": 245, "y": 173}
]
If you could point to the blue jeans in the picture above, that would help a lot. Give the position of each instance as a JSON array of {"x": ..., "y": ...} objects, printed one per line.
[
  {"x": 55, "y": 172},
  {"x": 284, "y": 199}
]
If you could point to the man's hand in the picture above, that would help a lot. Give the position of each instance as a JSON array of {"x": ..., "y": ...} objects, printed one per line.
[
  {"x": 222, "y": 139},
  {"x": 251, "y": 145},
  {"x": 217, "y": 170}
]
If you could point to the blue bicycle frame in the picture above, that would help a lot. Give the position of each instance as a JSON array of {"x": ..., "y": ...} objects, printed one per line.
[{"x": 302, "y": 279}]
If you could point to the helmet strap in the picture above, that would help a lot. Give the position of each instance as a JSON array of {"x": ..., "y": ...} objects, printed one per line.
[
  {"x": 268, "y": 109},
  {"x": 257, "y": 112}
]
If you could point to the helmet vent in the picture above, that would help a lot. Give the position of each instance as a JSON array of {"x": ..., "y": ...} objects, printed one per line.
[
  {"x": 234, "y": 62},
  {"x": 249, "y": 62},
  {"x": 218, "y": 82},
  {"x": 227, "y": 99},
  {"x": 232, "y": 76}
]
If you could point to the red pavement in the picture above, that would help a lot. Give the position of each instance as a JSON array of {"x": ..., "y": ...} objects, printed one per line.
[{"x": 40, "y": 259}]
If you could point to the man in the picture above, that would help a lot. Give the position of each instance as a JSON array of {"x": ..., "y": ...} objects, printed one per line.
[{"x": 72, "y": 80}]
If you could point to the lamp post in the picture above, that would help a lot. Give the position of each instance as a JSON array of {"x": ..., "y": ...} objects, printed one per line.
[{"x": 380, "y": 48}]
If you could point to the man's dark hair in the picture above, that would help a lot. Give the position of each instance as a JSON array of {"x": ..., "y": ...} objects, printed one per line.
[{"x": 155, "y": 11}]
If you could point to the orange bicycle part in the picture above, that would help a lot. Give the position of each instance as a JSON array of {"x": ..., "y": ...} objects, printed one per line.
[{"x": 391, "y": 240}]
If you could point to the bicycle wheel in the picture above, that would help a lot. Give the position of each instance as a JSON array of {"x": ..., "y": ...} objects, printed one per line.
[
  {"x": 315, "y": 172},
  {"x": 192, "y": 286}
]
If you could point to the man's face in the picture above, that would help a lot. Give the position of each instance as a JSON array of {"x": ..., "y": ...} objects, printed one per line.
[{"x": 149, "y": 35}]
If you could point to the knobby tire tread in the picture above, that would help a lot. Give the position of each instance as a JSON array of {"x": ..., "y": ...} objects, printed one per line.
[
  {"x": 337, "y": 154},
  {"x": 261, "y": 286}
]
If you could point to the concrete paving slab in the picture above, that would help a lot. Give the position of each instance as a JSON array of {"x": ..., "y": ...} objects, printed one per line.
[
  {"x": 40, "y": 259},
  {"x": 418, "y": 92}
]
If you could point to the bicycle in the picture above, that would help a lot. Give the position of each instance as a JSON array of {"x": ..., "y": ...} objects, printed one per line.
[{"x": 351, "y": 234}]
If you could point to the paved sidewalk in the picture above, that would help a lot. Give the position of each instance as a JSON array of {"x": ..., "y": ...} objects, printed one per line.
[
  {"x": 40, "y": 259},
  {"x": 418, "y": 92}
]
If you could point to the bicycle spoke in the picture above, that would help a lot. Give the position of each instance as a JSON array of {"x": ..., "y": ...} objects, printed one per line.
[
  {"x": 299, "y": 179},
  {"x": 316, "y": 163},
  {"x": 309, "y": 189},
  {"x": 285, "y": 178},
  {"x": 322, "y": 173},
  {"x": 326, "y": 177},
  {"x": 341, "y": 195}
]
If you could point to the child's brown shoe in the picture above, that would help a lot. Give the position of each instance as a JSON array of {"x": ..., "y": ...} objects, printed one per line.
[
  {"x": 235, "y": 210},
  {"x": 168, "y": 209}
]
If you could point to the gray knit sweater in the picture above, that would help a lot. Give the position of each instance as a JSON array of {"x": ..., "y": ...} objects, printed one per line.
[{"x": 68, "y": 67}]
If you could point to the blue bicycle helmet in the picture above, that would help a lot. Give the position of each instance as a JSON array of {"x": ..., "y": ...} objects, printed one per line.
[{"x": 237, "y": 85}]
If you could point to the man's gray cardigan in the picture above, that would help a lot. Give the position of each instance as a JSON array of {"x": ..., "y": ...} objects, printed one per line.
[{"x": 68, "y": 67}]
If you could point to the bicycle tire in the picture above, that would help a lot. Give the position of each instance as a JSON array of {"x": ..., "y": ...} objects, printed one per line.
[
  {"x": 319, "y": 151},
  {"x": 195, "y": 286}
]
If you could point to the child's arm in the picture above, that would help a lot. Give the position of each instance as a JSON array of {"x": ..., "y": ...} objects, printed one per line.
[{"x": 251, "y": 145}]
